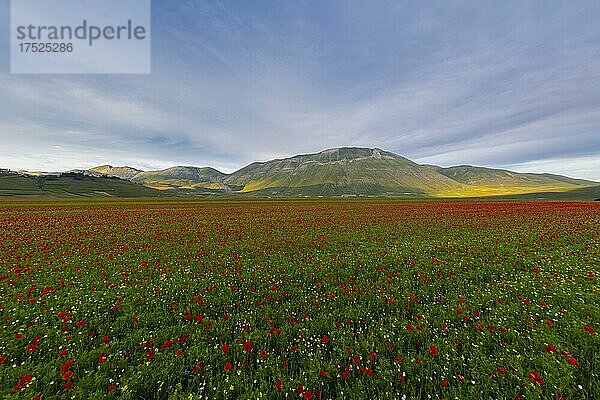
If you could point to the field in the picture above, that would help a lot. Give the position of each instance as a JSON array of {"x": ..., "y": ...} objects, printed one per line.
[{"x": 300, "y": 299}]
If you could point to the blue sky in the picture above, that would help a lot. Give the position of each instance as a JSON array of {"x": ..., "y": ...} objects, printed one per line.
[{"x": 503, "y": 84}]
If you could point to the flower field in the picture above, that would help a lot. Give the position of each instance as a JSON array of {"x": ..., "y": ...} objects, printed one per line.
[{"x": 300, "y": 299}]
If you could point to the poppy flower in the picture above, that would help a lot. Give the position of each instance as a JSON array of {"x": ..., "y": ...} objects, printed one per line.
[
  {"x": 589, "y": 329},
  {"x": 573, "y": 361},
  {"x": 433, "y": 350},
  {"x": 227, "y": 366},
  {"x": 535, "y": 378},
  {"x": 67, "y": 365},
  {"x": 551, "y": 349},
  {"x": 248, "y": 346},
  {"x": 278, "y": 385},
  {"x": 225, "y": 348},
  {"x": 68, "y": 385}
]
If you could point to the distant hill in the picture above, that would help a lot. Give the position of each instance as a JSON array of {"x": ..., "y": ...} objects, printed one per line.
[
  {"x": 345, "y": 171},
  {"x": 119, "y": 172},
  {"x": 591, "y": 193},
  {"x": 488, "y": 181},
  {"x": 183, "y": 178},
  {"x": 71, "y": 185}
]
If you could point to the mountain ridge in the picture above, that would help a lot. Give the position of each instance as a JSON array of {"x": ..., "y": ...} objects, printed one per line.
[{"x": 344, "y": 171}]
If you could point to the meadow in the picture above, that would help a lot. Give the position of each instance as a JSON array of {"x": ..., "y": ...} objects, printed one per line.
[{"x": 300, "y": 299}]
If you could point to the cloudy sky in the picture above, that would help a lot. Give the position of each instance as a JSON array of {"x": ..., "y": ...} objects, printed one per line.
[{"x": 512, "y": 84}]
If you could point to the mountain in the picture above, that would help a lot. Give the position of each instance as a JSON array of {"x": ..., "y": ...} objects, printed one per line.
[
  {"x": 183, "y": 178},
  {"x": 345, "y": 171},
  {"x": 119, "y": 172},
  {"x": 488, "y": 181},
  {"x": 341, "y": 171},
  {"x": 70, "y": 184},
  {"x": 589, "y": 193}
]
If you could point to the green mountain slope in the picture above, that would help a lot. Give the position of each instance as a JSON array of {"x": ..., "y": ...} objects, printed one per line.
[
  {"x": 591, "y": 193},
  {"x": 183, "y": 178},
  {"x": 343, "y": 171},
  {"x": 489, "y": 181},
  {"x": 346, "y": 171},
  {"x": 71, "y": 185},
  {"x": 119, "y": 172}
]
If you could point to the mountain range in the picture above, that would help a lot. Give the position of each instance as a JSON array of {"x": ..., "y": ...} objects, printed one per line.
[{"x": 346, "y": 171}]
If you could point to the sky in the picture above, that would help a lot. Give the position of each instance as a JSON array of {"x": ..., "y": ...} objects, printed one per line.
[{"x": 508, "y": 84}]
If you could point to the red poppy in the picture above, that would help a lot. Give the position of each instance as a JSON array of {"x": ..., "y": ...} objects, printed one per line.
[
  {"x": 67, "y": 365},
  {"x": 227, "y": 366},
  {"x": 225, "y": 347},
  {"x": 68, "y": 385},
  {"x": 278, "y": 385},
  {"x": 433, "y": 350},
  {"x": 535, "y": 378},
  {"x": 573, "y": 361},
  {"x": 589, "y": 329},
  {"x": 248, "y": 346}
]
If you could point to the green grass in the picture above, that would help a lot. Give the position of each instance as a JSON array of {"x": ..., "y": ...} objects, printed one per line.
[{"x": 71, "y": 185}]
